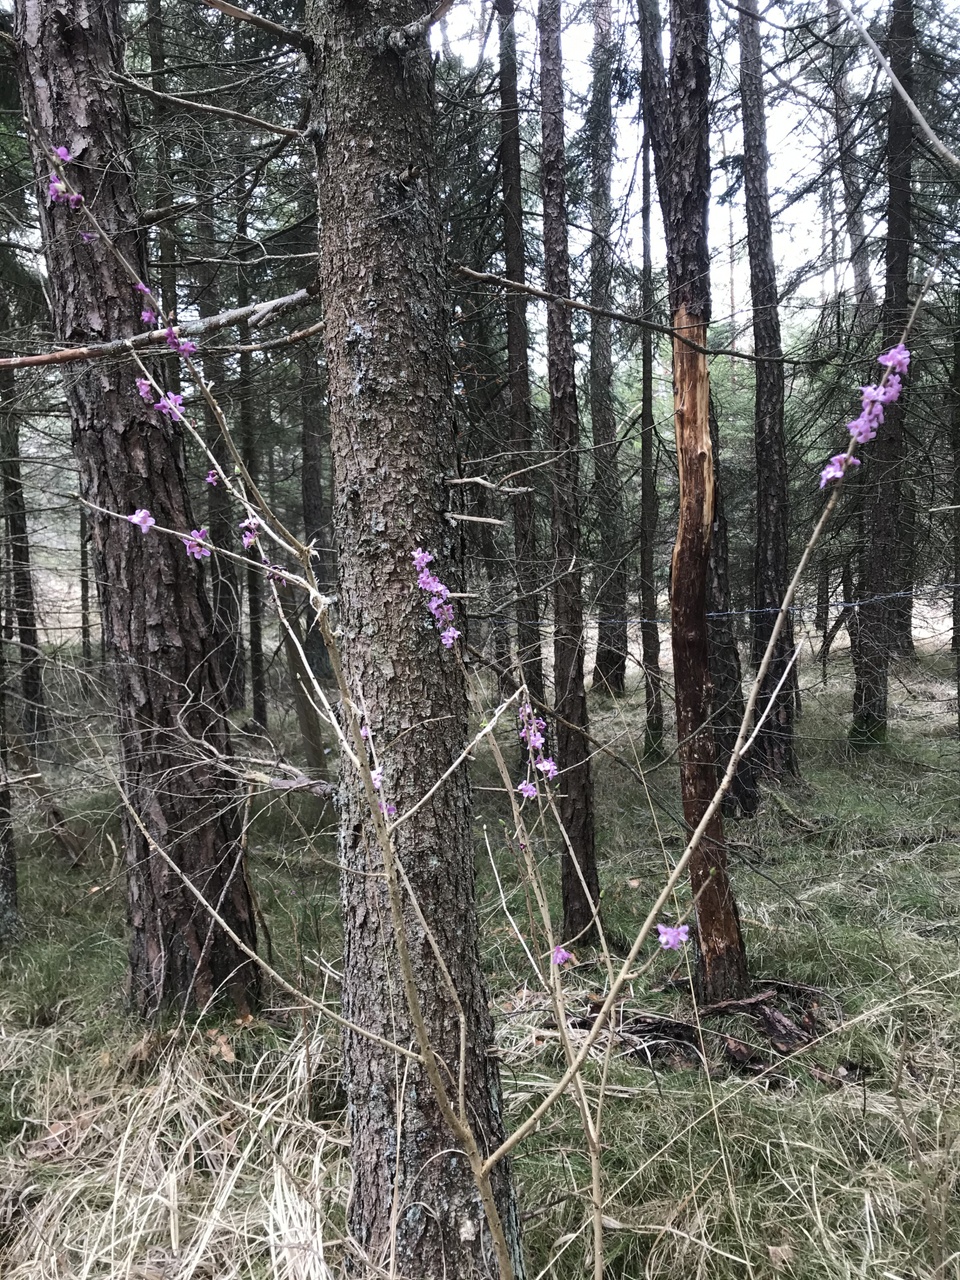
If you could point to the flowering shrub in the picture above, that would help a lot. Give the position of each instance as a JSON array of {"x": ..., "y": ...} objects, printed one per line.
[
  {"x": 439, "y": 603},
  {"x": 873, "y": 398}
]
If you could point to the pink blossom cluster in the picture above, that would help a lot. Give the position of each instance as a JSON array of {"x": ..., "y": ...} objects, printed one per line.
[
  {"x": 439, "y": 602},
  {"x": 873, "y": 398},
  {"x": 57, "y": 192},
  {"x": 531, "y": 734}
]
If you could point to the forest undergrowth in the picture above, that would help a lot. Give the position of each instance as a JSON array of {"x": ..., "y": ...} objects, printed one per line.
[{"x": 811, "y": 1133}]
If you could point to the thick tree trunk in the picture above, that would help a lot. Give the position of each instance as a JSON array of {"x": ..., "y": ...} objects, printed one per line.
[
  {"x": 649, "y": 504},
  {"x": 610, "y": 570},
  {"x": 529, "y": 645},
  {"x": 86, "y": 636},
  {"x": 886, "y": 455},
  {"x": 34, "y": 715},
  {"x": 678, "y": 115},
  {"x": 580, "y": 880},
  {"x": 774, "y": 752},
  {"x": 414, "y": 1206},
  {"x": 156, "y": 618},
  {"x": 9, "y": 908}
]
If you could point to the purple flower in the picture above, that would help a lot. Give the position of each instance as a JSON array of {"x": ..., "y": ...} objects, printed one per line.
[
  {"x": 142, "y": 288},
  {"x": 528, "y": 790},
  {"x": 87, "y": 237},
  {"x": 560, "y": 956},
  {"x": 376, "y": 777},
  {"x": 897, "y": 358},
  {"x": 673, "y": 937},
  {"x": 365, "y": 733},
  {"x": 145, "y": 389},
  {"x": 142, "y": 519},
  {"x": 183, "y": 346},
  {"x": 63, "y": 154},
  {"x": 148, "y": 316},
  {"x": 170, "y": 404},
  {"x": 448, "y": 637},
  {"x": 863, "y": 429},
  {"x": 428, "y": 581},
  {"x": 442, "y": 612},
  {"x": 421, "y": 558},
  {"x": 548, "y": 766},
  {"x": 534, "y": 739},
  {"x": 194, "y": 546},
  {"x": 56, "y": 189},
  {"x": 74, "y": 199},
  {"x": 250, "y": 530},
  {"x": 389, "y": 810},
  {"x": 212, "y": 477},
  {"x": 275, "y": 573},
  {"x": 835, "y": 468}
]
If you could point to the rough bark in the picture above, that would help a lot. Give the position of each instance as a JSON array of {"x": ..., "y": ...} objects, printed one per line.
[
  {"x": 9, "y": 908},
  {"x": 774, "y": 751},
  {"x": 86, "y": 638},
  {"x": 649, "y": 506},
  {"x": 610, "y": 569},
  {"x": 414, "y": 1205},
  {"x": 579, "y": 878},
  {"x": 156, "y": 619},
  {"x": 876, "y": 636},
  {"x": 678, "y": 116},
  {"x": 529, "y": 647}
]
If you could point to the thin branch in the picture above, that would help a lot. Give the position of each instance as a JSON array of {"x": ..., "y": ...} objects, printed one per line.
[
  {"x": 288, "y": 36},
  {"x": 254, "y": 121}
]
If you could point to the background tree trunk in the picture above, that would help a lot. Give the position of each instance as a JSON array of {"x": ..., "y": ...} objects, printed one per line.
[
  {"x": 414, "y": 1204},
  {"x": 610, "y": 570},
  {"x": 529, "y": 644},
  {"x": 649, "y": 504},
  {"x": 579, "y": 877},
  {"x": 678, "y": 114},
  {"x": 156, "y": 619},
  {"x": 885, "y": 456},
  {"x": 774, "y": 752}
]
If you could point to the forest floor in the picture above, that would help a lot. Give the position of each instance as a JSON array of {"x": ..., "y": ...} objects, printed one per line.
[{"x": 819, "y": 1139}]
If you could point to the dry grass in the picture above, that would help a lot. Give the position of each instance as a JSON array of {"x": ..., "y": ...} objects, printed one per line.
[{"x": 218, "y": 1150}]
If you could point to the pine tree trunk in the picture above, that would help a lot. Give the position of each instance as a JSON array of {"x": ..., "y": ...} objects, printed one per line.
[
  {"x": 726, "y": 673},
  {"x": 579, "y": 877},
  {"x": 414, "y": 1206},
  {"x": 678, "y": 115},
  {"x": 529, "y": 645},
  {"x": 86, "y": 637},
  {"x": 649, "y": 504},
  {"x": 156, "y": 619},
  {"x": 610, "y": 668},
  {"x": 884, "y": 458},
  {"x": 225, "y": 591},
  {"x": 9, "y": 908},
  {"x": 774, "y": 752},
  {"x": 34, "y": 715}
]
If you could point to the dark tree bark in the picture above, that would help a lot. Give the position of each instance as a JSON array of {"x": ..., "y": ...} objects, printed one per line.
[
  {"x": 726, "y": 673},
  {"x": 529, "y": 646},
  {"x": 649, "y": 505},
  {"x": 34, "y": 715},
  {"x": 774, "y": 752},
  {"x": 579, "y": 877},
  {"x": 156, "y": 619},
  {"x": 414, "y": 1204},
  {"x": 875, "y": 633},
  {"x": 86, "y": 638},
  {"x": 225, "y": 592},
  {"x": 9, "y": 907},
  {"x": 678, "y": 115},
  {"x": 610, "y": 570},
  {"x": 955, "y": 496}
]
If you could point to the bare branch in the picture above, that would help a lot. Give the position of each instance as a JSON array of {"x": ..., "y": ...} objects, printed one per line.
[
  {"x": 254, "y": 121},
  {"x": 296, "y": 38}
]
